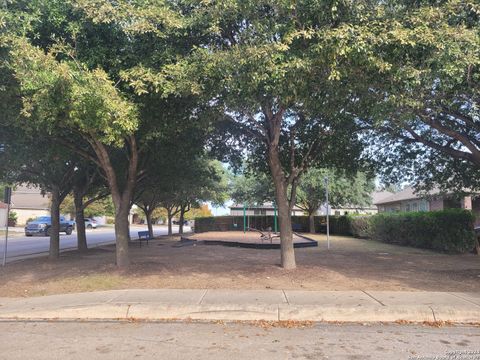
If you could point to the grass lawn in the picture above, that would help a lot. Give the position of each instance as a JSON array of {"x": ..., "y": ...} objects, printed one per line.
[
  {"x": 10, "y": 234},
  {"x": 350, "y": 264}
]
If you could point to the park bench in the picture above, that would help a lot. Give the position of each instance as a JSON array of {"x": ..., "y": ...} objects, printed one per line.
[{"x": 143, "y": 235}]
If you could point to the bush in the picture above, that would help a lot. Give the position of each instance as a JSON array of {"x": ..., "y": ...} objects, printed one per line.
[
  {"x": 447, "y": 230},
  {"x": 360, "y": 226},
  {"x": 12, "y": 216}
]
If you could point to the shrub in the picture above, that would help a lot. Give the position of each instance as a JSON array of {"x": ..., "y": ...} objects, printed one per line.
[
  {"x": 447, "y": 230},
  {"x": 12, "y": 216},
  {"x": 360, "y": 226}
]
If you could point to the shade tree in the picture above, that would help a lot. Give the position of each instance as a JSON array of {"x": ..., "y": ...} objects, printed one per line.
[
  {"x": 32, "y": 159},
  {"x": 423, "y": 105},
  {"x": 269, "y": 72}
]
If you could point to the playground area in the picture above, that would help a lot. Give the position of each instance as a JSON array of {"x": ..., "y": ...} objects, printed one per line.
[{"x": 249, "y": 239}]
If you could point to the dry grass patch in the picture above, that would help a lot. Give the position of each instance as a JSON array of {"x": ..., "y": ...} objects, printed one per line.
[{"x": 350, "y": 264}]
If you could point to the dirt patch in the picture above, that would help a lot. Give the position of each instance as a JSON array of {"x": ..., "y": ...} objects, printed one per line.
[
  {"x": 249, "y": 237},
  {"x": 350, "y": 264}
]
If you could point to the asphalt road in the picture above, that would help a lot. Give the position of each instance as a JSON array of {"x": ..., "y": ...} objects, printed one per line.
[
  {"x": 20, "y": 246},
  {"x": 113, "y": 340}
]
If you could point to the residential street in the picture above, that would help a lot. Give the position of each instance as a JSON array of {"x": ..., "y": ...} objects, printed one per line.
[
  {"x": 114, "y": 340},
  {"x": 20, "y": 246}
]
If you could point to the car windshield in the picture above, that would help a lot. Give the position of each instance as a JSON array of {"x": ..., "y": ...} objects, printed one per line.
[{"x": 43, "y": 218}]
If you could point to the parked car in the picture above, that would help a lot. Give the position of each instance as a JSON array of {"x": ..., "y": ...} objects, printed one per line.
[
  {"x": 90, "y": 223},
  {"x": 177, "y": 222},
  {"x": 42, "y": 226}
]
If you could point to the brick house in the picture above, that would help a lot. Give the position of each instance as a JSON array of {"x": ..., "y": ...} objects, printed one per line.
[{"x": 408, "y": 200}]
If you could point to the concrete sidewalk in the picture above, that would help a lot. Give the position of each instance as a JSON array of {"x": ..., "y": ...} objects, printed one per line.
[{"x": 216, "y": 304}]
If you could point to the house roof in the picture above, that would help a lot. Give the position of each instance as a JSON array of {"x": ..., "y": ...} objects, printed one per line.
[
  {"x": 406, "y": 194},
  {"x": 380, "y": 195},
  {"x": 267, "y": 206}
]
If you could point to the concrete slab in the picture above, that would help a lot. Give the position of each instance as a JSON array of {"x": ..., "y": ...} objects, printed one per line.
[
  {"x": 161, "y": 296},
  {"x": 469, "y": 296},
  {"x": 63, "y": 300},
  {"x": 413, "y": 298},
  {"x": 329, "y": 298},
  {"x": 204, "y": 312},
  {"x": 470, "y": 314},
  {"x": 100, "y": 311},
  {"x": 355, "y": 314},
  {"x": 244, "y": 297},
  {"x": 4, "y": 301}
]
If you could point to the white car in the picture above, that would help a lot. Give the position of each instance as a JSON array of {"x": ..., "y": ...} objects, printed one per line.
[{"x": 90, "y": 223}]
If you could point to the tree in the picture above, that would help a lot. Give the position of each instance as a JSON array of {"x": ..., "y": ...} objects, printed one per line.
[
  {"x": 78, "y": 71},
  {"x": 342, "y": 190},
  {"x": 148, "y": 199},
  {"x": 424, "y": 104},
  {"x": 64, "y": 96},
  {"x": 201, "y": 211},
  {"x": 204, "y": 181},
  {"x": 34, "y": 160},
  {"x": 269, "y": 71},
  {"x": 252, "y": 189},
  {"x": 88, "y": 187},
  {"x": 182, "y": 183}
]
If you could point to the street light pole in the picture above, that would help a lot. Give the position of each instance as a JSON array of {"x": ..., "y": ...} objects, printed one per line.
[
  {"x": 7, "y": 198},
  {"x": 328, "y": 212}
]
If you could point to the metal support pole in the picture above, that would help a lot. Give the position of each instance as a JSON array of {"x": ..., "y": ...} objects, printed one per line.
[
  {"x": 6, "y": 237},
  {"x": 328, "y": 212},
  {"x": 244, "y": 218},
  {"x": 275, "y": 226}
]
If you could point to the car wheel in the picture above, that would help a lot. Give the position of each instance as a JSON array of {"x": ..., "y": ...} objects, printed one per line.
[
  {"x": 89, "y": 226},
  {"x": 69, "y": 230},
  {"x": 28, "y": 235}
]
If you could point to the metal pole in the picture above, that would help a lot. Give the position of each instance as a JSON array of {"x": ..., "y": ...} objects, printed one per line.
[
  {"x": 244, "y": 219},
  {"x": 6, "y": 237},
  {"x": 328, "y": 212},
  {"x": 275, "y": 217}
]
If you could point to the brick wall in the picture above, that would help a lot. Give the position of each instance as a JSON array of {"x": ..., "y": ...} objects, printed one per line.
[{"x": 436, "y": 204}]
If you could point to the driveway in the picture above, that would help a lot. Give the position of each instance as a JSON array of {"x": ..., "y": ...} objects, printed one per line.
[{"x": 20, "y": 246}]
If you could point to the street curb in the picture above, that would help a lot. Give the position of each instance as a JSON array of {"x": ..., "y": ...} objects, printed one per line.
[{"x": 247, "y": 312}]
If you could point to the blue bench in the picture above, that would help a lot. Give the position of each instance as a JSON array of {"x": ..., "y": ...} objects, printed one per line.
[{"x": 143, "y": 235}]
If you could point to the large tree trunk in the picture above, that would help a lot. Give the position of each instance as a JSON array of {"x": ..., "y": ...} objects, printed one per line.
[
  {"x": 182, "y": 218},
  {"x": 148, "y": 216},
  {"x": 122, "y": 234},
  {"x": 54, "y": 252},
  {"x": 169, "y": 215},
  {"x": 80, "y": 220},
  {"x": 284, "y": 211},
  {"x": 122, "y": 198},
  {"x": 311, "y": 222}
]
